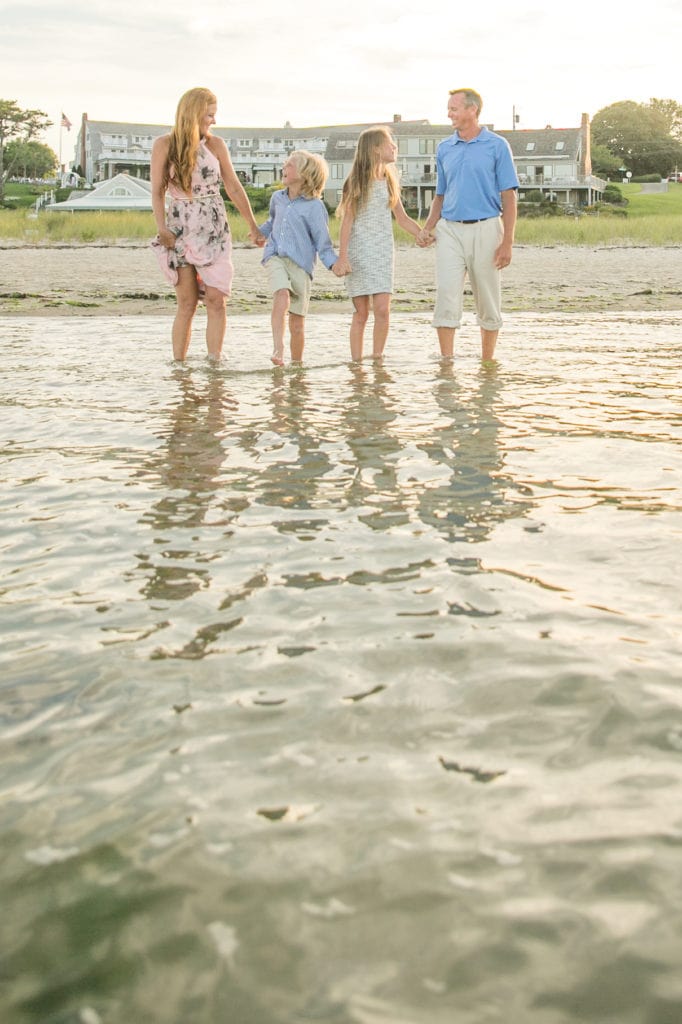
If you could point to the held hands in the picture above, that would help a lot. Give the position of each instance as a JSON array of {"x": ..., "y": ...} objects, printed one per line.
[
  {"x": 425, "y": 238},
  {"x": 256, "y": 237},
  {"x": 342, "y": 267}
]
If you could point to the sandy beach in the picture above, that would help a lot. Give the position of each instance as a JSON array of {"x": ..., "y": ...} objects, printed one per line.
[{"x": 124, "y": 279}]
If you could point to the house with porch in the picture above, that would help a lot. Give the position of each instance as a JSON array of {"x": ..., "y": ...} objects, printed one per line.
[{"x": 553, "y": 161}]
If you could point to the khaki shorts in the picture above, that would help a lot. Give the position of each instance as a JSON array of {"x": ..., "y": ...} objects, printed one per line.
[
  {"x": 468, "y": 250},
  {"x": 284, "y": 273}
]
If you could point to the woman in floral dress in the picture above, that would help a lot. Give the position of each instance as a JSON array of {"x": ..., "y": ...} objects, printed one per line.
[{"x": 193, "y": 244}]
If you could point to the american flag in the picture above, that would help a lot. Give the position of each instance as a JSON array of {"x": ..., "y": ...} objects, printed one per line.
[{"x": 65, "y": 122}]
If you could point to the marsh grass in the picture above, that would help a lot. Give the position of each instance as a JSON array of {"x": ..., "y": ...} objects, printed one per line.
[{"x": 654, "y": 219}]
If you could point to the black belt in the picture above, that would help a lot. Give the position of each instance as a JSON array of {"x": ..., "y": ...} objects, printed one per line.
[{"x": 479, "y": 221}]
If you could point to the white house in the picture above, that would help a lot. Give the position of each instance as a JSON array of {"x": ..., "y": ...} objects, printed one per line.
[
  {"x": 555, "y": 161},
  {"x": 119, "y": 193}
]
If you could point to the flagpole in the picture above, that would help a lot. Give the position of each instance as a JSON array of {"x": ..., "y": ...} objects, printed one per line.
[{"x": 61, "y": 125}]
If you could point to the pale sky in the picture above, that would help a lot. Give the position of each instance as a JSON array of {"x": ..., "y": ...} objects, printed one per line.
[{"x": 313, "y": 63}]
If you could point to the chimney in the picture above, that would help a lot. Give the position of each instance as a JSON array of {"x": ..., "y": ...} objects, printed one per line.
[
  {"x": 586, "y": 156},
  {"x": 397, "y": 118}
]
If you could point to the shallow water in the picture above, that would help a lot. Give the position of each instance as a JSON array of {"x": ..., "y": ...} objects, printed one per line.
[{"x": 342, "y": 694}]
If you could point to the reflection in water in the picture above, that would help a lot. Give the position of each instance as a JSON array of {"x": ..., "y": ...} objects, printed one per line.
[
  {"x": 291, "y": 461},
  {"x": 187, "y": 468},
  {"x": 367, "y": 417},
  {"x": 472, "y": 496},
  {"x": 394, "y": 748}
]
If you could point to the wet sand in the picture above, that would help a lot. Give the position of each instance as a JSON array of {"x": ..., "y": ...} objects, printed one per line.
[{"x": 63, "y": 280}]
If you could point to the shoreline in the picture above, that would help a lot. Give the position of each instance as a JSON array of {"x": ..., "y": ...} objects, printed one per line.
[{"x": 123, "y": 278}]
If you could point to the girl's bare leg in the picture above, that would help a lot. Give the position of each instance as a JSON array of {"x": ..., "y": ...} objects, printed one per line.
[
  {"x": 357, "y": 325},
  {"x": 280, "y": 307},
  {"x": 381, "y": 306},
  {"x": 216, "y": 320},
  {"x": 187, "y": 294},
  {"x": 297, "y": 332}
]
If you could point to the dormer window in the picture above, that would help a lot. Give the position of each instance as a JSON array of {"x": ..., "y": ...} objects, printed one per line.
[{"x": 530, "y": 146}]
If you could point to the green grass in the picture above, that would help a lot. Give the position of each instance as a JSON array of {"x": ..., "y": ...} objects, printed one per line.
[{"x": 651, "y": 220}]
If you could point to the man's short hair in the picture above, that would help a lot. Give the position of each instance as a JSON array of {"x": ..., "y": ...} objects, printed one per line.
[{"x": 471, "y": 98}]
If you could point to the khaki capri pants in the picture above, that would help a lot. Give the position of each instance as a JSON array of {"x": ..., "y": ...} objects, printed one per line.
[{"x": 461, "y": 250}]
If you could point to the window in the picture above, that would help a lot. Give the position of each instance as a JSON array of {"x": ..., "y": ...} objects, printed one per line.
[
  {"x": 403, "y": 146},
  {"x": 427, "y": 146},
  {"x": 337, "y": 170},
  {"x": 559, "y": 145},
  {"x": 530, "y": 146},
  {"x": 120, "y": 191}
]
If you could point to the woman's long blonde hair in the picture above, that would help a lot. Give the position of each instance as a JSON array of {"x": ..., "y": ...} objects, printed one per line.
[
  {"x": 185, "y": 136},
  {"x": 367, "y": 161}
]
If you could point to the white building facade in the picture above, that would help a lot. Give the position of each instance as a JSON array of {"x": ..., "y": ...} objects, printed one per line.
[{"x": 553, "y": 161}]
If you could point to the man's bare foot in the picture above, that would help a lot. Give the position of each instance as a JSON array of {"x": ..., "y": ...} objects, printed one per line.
[{"x": 277, "y": 359}]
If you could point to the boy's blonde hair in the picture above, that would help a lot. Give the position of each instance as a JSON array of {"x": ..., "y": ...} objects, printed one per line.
[
  {"x": 185, "y": 136},
  {"x": 313, "y": 170},
  {"x": 363, "y": 173}
]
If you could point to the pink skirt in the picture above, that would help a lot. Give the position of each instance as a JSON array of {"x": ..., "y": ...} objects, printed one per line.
[{"x": 203, "y": 241}]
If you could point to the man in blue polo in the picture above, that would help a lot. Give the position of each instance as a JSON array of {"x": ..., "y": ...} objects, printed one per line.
[{"x": 474, "y": 216}]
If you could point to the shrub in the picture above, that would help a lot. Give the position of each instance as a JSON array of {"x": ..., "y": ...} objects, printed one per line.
[
  {"x": 612, "y": 194},
  {"x": 606, "y": 208}
]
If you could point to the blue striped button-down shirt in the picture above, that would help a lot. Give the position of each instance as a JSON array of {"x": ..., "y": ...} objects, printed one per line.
[{"x": 298, "y": 228}]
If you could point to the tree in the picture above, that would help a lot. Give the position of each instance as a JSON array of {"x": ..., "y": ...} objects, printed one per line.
[
  {"x": 604, "y": 163},
  {"x": 639, "y": 135},
  {"x": 30, "y": 159},
  {"x": 671, "y": 110},
  {"x": 20, "y": 125}
]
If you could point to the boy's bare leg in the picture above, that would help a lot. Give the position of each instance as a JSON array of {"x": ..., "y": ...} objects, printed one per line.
[
  {"x": 297, "y": 332},
  {"x": 280, "y": 306}
]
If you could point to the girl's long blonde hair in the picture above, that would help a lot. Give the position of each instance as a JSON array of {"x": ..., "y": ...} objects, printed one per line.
[
  {"x": 367, "y": 161},
  {"x": 185, "y": 136}
]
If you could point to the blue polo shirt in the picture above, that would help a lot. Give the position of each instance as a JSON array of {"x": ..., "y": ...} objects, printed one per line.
[{"x": 472, "y": 174}]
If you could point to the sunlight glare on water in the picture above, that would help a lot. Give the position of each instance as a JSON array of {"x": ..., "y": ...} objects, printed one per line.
[{"x": 342, "y": 693}]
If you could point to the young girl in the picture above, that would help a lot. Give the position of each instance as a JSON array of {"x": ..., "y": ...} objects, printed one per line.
[
  {"x": 297, "y": 231},
  {"x": 193, "y": 244},
  {"x": 371, "y": 194}
]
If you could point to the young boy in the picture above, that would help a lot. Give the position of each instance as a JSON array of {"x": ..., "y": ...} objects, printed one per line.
[{"x": 297, "y": 231}]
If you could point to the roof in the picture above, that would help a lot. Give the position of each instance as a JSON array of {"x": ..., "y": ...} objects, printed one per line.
[
  {"x": 122, "y": 192},
  {"x": 543, "y": 142}
]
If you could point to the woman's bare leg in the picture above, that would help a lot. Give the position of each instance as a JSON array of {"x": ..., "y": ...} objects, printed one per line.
[
  {"x": 216, "y": 321},
  {"x": 187, "y": 294}
]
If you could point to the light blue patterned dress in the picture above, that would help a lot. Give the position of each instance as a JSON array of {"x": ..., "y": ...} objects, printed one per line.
[{"x": 370, "y": 248}]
